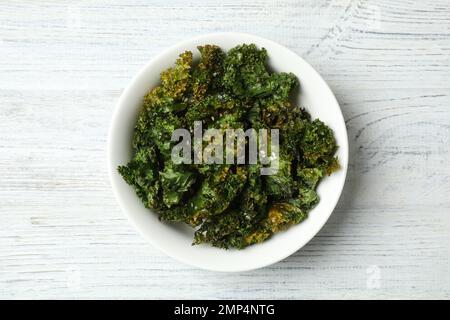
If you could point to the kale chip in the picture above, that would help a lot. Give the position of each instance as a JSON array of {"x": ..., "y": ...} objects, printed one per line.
[{"x": 230, "y": 205}]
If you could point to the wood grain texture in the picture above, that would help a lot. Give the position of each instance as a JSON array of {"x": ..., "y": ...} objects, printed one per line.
[{"x": 63, "y": 66}]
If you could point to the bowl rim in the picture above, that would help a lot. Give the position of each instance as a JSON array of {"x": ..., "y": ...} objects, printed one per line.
[{"x": 343, "y": 145}]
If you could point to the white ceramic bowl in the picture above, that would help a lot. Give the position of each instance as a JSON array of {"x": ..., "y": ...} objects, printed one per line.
[{"x": 175, "y": 239}]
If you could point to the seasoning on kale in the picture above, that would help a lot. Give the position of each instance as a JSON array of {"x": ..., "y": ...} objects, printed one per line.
[{"x": 232, "y": 205}]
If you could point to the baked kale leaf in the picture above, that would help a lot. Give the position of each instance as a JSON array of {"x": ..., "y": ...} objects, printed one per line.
[{"x": 230, "y": 205}]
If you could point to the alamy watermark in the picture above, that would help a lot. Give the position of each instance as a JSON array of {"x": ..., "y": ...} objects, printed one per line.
[
  {"x": 227, "y": 146},
  {"x": 373, "y": 280}
]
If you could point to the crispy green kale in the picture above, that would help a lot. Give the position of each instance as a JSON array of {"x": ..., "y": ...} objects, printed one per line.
[{"x": 230, "y": 205}]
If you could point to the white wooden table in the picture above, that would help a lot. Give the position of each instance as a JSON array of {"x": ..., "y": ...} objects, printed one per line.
[{"x": 62, "y": 68}]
